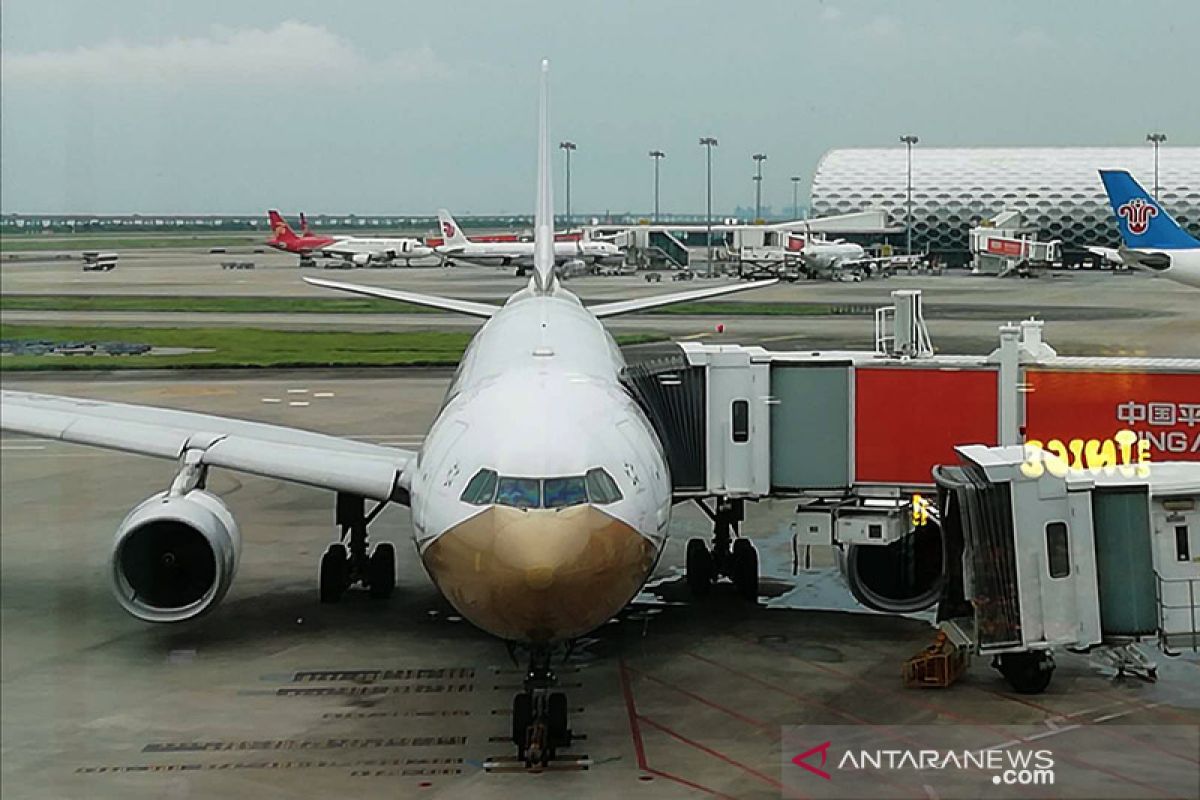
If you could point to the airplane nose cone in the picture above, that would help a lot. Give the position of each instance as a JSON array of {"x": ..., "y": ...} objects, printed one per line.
[{"x": 539, "y": 575}]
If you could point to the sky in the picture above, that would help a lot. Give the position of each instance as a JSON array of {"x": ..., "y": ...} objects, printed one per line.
[{"x": 404, "y": 107}]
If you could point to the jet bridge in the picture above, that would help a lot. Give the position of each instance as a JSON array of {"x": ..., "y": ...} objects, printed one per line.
[
  {"x": 1088, "y": 559},
  {"x": 857, "y": 439}
]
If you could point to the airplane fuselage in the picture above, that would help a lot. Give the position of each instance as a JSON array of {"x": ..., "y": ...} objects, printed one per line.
[
  {"x": 506, "y": 253},
  {"x": 540, "y": 521},
  {"x": 1182, "y": 266}
]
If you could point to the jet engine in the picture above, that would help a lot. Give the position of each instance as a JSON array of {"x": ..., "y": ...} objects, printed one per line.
[
  {"x": 175, "y": 556},
  {"x": 899, "y": 578},
  {"x": 361, "y": 259}
]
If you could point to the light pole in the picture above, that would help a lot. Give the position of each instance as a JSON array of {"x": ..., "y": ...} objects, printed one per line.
[
  {"x": 1156, "y": 139},
  {"x": 708, "y": 143},
  {"x": 567, "y": 147},
  {"x": 795, "y": 202},
  {"x": 657, "y": 155},
  {"x": 909, "y": 140},
  {"x": 758, "y": 159}
]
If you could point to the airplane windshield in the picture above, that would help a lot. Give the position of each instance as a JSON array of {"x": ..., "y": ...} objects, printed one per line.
[
  {"x": 563, "y": 492},
  {"x": 519, "y": 492},
  {"x": 486, "y": 487}
]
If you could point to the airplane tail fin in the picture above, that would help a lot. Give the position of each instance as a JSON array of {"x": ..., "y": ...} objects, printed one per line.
[
  {"x": 283, "y": 232},
  {"x": 543, "y": 219},
  {"x": 1142, "y": 221},
  {"x": 304, "y": 229},
  {"x": 450, "y": 230}
]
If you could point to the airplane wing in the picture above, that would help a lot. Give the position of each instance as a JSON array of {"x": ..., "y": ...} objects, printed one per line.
[
  {"x": 467, "y": 307},
  {"x": 642, "y": 303},
  {"x": 272, "y": 451}
]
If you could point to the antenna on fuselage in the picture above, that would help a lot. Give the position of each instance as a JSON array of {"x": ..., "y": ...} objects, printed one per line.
[{"x": 543, "y": 220}]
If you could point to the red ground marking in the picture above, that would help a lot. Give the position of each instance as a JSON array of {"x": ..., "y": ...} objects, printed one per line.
[
  {"x": 635, "y": 731},
  {"x": 772, "y": 729},
  {"x": 709, "y": 751}
]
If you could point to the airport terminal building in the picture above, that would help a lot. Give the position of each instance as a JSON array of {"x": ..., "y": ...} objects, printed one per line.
[{"x": 1057, "y": 189}]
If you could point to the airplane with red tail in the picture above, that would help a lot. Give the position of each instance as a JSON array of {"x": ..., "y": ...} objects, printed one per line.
[{"x": 353, "y": 251}]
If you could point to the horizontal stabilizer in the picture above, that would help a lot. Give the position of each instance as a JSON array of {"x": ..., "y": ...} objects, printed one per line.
[
  {"x": 643, "y": 303},
  {"x": 467, "y": 307}
]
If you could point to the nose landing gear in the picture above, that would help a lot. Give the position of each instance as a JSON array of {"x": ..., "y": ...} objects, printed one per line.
[
  {"x": 540, "y": 725},
  {"x": 736, "y": 559},
  {"x": 342, "y": 565}
]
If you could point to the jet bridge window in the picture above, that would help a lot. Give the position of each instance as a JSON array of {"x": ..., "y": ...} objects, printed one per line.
[
  {"x": 1058, "y": 552},
  {"x": 563, "y": 492},
  {"x": 601, "y": 487},
  {"x": 519, "y": 492},
  {"x": 1181, "y": 543},
  {"x": 480, "y": 489},
  {"x": 741, "y": 421}
]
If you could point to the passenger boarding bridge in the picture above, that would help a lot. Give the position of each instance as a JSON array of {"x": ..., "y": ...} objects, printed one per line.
[{"x": 934, "y": 474}]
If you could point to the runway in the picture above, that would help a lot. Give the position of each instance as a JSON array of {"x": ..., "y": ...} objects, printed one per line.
[{"x": 274, "y": 695}]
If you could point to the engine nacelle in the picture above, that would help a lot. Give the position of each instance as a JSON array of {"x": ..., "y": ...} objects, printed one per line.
[
  {"x": 898, "y": 578},
  {"x": 174, "y": 558},
  {"x": 361, "y": 259}
]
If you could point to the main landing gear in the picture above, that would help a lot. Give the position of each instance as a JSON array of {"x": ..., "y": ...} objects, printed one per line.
[
  {"x": 734, "y": 558},
  {"x": 348, "y": 562},
  {"x": 539, "y": 716}
]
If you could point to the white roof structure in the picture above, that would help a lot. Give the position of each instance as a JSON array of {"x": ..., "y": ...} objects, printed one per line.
[{"x": 1057, "y": 189}]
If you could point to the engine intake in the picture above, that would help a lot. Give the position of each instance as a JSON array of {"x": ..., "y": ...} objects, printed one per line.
[
  {"x": 174, "y": 557},
  {"x": 898, "y": 578}
]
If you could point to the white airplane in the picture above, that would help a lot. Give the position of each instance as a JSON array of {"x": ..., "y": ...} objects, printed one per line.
[
  {"x": 353, "y": 250},
  {"x": 540, "y": 499},
  {"x": 1151, "y": 239},
  {"x": 571, "y": 255}
]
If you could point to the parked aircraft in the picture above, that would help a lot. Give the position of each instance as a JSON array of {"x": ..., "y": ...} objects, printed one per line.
[
  {"x": 571, "y": 253},
  {"x": 1151, "y": 239},
  {"x": 352, "y": 250},
  {"x": 541, "y": 497}
]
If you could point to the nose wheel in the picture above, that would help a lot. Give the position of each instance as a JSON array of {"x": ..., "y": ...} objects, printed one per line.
[
  {"x": 352, "y": 560},
  {"x": 540, "y": 724},
  {"x": 736, "y": 559}
]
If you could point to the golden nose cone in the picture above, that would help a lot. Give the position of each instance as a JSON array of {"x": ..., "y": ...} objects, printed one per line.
[{"x": 541, "y": 574}]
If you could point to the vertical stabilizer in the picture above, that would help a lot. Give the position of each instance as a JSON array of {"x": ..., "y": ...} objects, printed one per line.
[{"x": 543, "y": 221}]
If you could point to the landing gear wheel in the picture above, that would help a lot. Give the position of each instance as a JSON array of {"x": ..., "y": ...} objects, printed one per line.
[
  {"x": 699, "y": 568},
  {"x": 556, "y": 720},
  {"x": 1026, "y": 673},
  {"x": 745, "y": 569},
  {"x": 334, "y": 577},
  {"x": 381, "y": 571},
  {"x": 522, "y": 716}
]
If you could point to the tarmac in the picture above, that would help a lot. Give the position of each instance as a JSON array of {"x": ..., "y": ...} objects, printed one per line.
[{"x": 274, "y": 695}]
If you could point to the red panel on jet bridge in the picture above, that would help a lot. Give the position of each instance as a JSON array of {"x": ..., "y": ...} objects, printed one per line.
[
  {"x": 1161, "y": 407},
  {"x": 906, "y": 421}
]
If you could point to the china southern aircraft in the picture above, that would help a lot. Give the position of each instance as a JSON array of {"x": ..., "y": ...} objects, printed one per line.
[
  {"x": 540, "y": 498},
  {"x": 1150, "y": 238},
  {"x": 568, "y": 254}
]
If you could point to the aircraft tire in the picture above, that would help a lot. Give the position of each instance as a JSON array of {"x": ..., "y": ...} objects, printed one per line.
[
  {"x": 381, "y": 571},
  {"x": 522, "y": 716},
  {"x": 699, "y": 568},
  {"x": 557, "y": 720},
  {"x": 334, "y": 573},
  {"x": 745, "y": 569}
]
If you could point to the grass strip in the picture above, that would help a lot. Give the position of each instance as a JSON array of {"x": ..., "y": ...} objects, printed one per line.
[{"x": 247, "y": 347}]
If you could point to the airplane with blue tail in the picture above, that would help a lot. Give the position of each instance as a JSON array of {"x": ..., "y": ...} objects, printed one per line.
[{"x": 1151, "y": 239}]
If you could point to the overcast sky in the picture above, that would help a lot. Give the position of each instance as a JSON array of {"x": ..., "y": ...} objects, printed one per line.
[{"x": 229, "y": 106}]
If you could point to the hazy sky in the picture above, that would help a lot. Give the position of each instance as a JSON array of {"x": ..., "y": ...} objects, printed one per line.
[{"x": 229, "y": 106}]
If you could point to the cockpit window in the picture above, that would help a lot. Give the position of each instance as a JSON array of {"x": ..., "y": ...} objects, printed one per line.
[
  {"x": 563, "y": 492},
  {"x": 481, "y": 488},
  {"x": 519, "y": 492},
  {"x": 601, "y": 487}
]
